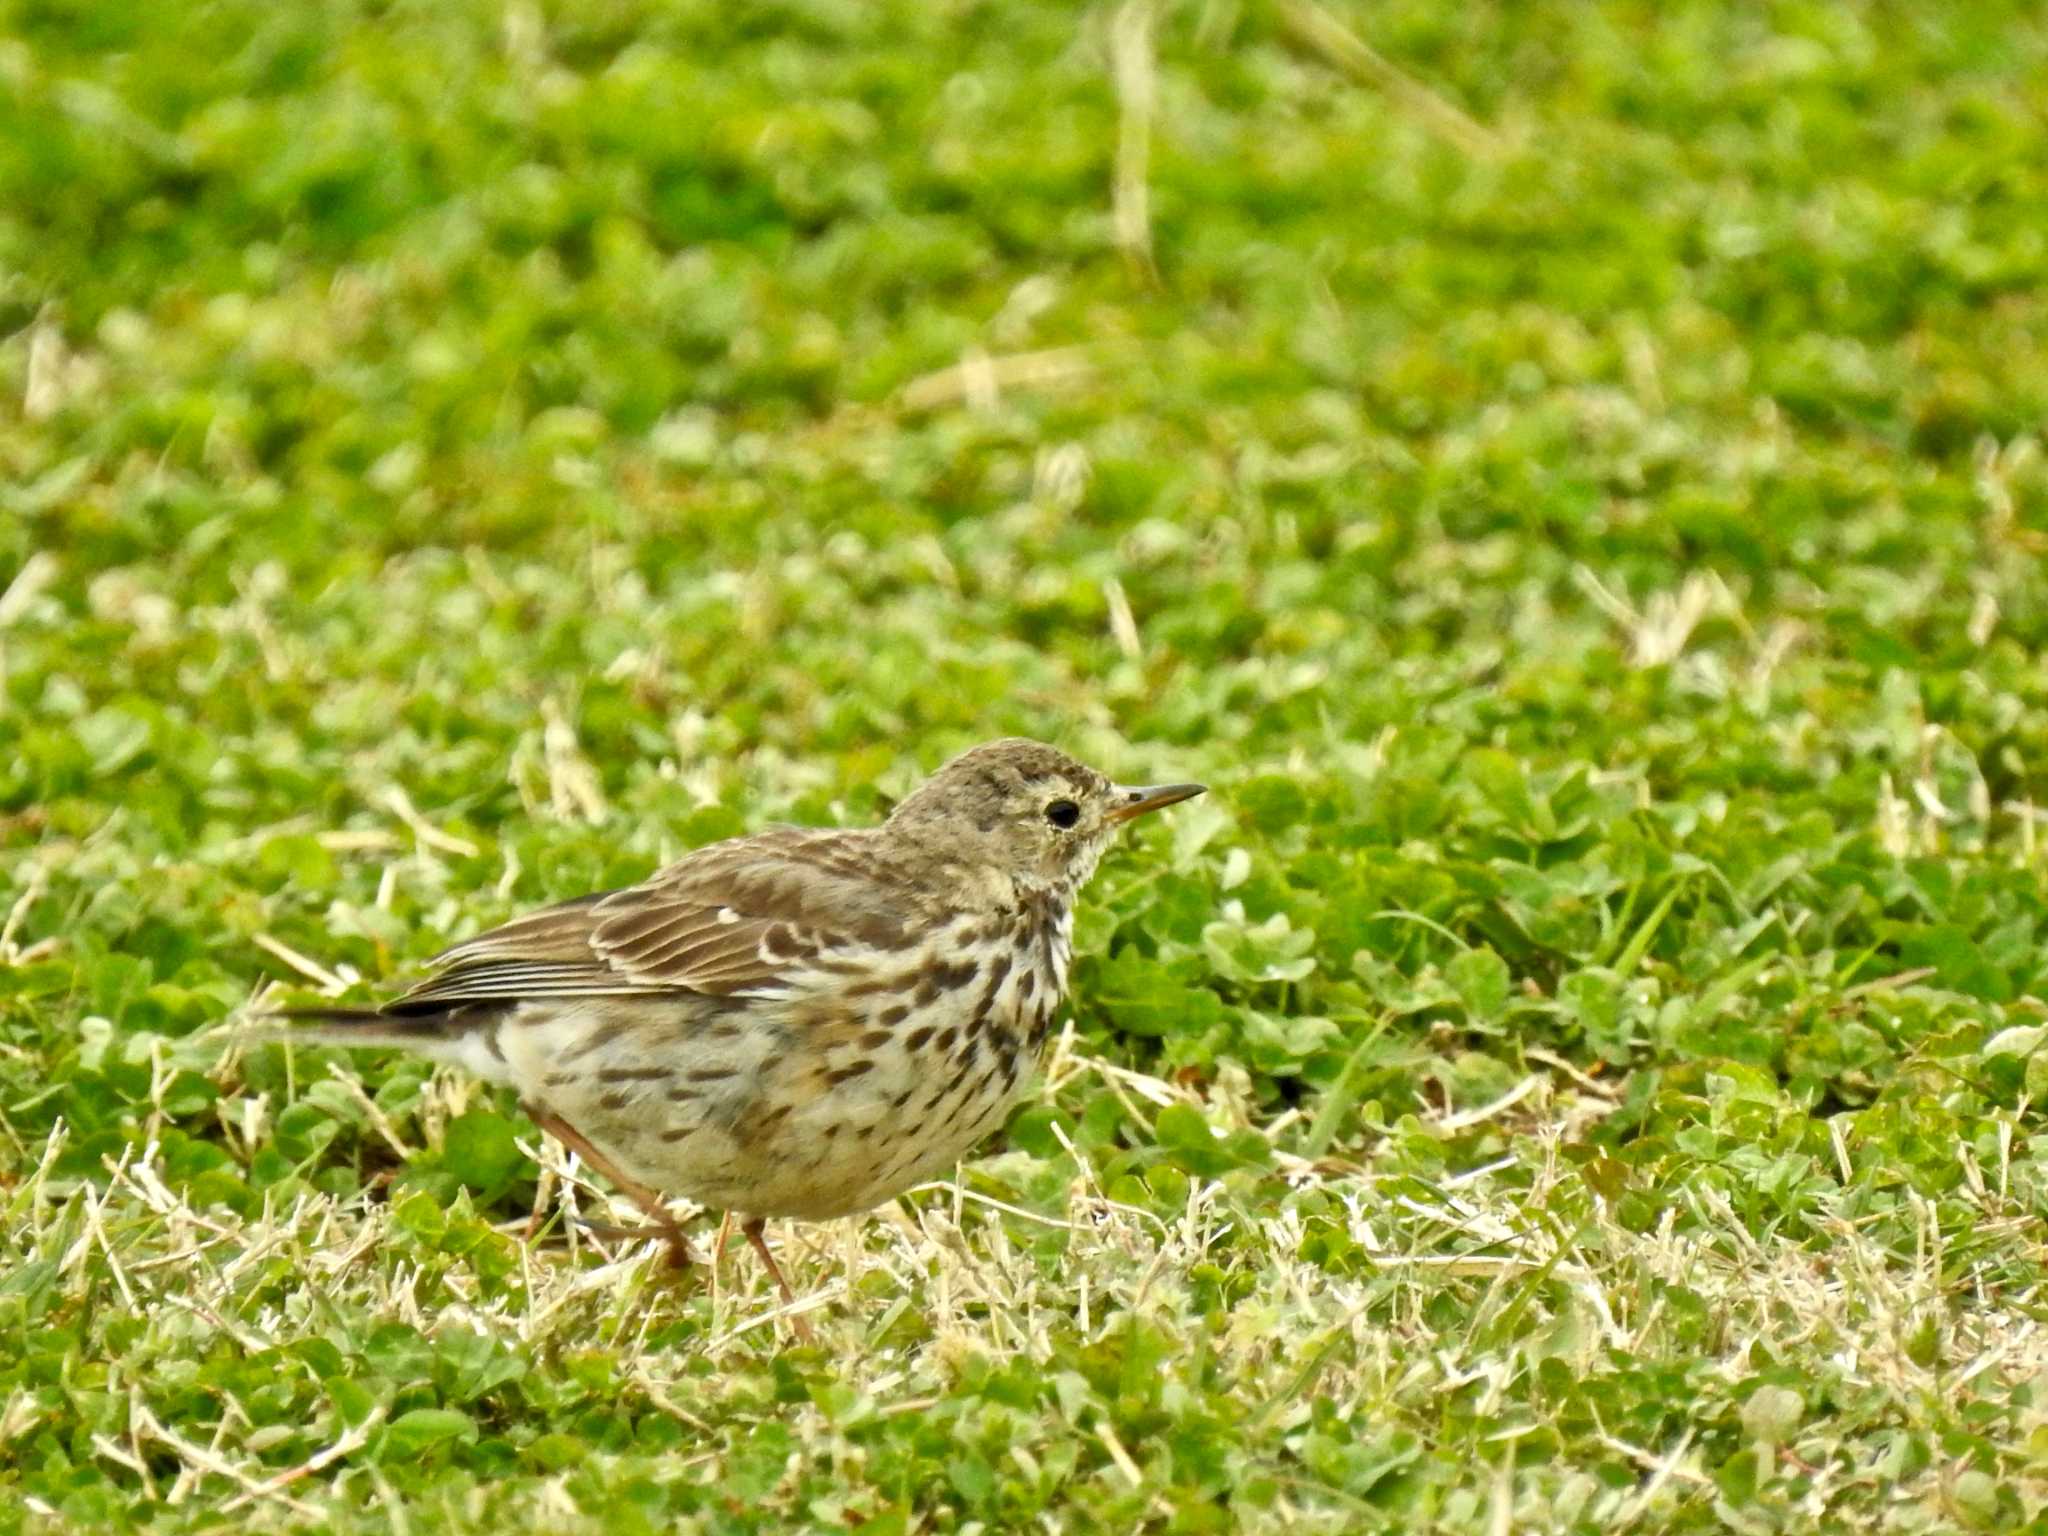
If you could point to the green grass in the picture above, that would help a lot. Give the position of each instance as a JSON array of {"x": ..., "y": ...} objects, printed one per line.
[{"x": 1576, "y": 1073}]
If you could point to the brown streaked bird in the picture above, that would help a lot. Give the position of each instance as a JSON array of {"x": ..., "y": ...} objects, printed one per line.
[{"x": 804, "y": 1022}]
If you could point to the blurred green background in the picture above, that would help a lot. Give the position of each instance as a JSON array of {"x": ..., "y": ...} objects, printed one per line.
[{"x": 1568, "y": 474}]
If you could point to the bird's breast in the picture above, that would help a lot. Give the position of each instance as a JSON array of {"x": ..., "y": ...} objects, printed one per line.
[
  {"x": 976, "y": 985},
  {"x": 904, "y": 1069}
]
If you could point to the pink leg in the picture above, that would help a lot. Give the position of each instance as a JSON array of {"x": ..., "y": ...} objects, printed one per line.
[{"x": 649, "y": 1201}]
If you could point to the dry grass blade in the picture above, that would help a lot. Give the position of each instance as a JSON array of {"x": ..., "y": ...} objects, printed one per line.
[
  {"x": 980, "y": 379},
  {"x": 201, "y": 1460},
  {"x": 305, "y": 965},
  {"x": 575, "y": 787},
  {"x": 400, "y": 805},
  {"x": 1131, "y": 59},
  {"x": 1324, "y": 35},
  {"x": 36, "y": 573},
  {"x": 347, "y": 1445}
]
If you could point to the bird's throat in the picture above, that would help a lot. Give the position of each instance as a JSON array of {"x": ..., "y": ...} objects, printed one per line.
[{"x": 1048, "y": 923}]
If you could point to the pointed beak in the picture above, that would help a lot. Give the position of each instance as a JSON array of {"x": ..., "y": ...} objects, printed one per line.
[{"x": 1136, "y": 800}]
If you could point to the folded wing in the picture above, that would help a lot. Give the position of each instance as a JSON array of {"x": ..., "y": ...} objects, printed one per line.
[{"x": 748, "y": 918}]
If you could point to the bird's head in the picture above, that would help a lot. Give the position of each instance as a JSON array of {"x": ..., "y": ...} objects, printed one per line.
[{"x": 1028, "y": 811}]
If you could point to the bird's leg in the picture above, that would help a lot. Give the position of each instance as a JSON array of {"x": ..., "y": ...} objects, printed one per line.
[
  {"x": 752, "y": 1229},
  {"x": 649, "y": 1201}
]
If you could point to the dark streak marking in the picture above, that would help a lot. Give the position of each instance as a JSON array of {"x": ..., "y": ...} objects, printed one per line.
[
  {"x": 951, "y": 978},
  {"x": 633, "y": 1074},
  {"x": 1039, "y": 1024},
  {"x": 996, "y": 972},
  {"x": 596, "y": 1040}
]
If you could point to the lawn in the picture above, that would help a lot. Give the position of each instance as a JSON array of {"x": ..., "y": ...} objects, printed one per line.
[{"x": 1568, "y": 475}]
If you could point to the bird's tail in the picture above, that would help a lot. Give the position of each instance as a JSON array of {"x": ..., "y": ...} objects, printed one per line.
[
  {"x": 463, "y": 1036},
  {"x": 352, "y": 1027}
]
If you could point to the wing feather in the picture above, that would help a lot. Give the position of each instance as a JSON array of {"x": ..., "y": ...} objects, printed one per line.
[{"x": 736, "y": 919}]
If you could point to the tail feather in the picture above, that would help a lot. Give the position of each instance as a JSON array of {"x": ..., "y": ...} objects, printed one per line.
[
  {"x": 466, "y": 1037},
  {"x": 331, "y": 1015}
]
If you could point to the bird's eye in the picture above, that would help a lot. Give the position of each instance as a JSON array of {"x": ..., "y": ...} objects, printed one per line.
[{"x": 1063, "y": 813}]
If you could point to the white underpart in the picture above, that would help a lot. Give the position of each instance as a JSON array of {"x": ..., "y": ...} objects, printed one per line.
[{"x": 472, "y": 1052}]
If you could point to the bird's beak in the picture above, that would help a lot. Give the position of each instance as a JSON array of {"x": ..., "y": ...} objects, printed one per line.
[{"x": 1136, "y": 800}]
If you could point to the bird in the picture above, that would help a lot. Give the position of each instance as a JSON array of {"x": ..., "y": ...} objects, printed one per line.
[{"x": 801, "y": 1022}]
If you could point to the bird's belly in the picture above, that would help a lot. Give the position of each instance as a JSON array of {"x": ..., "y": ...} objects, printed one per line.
[
  {"x": 846, "y": 1150},
  {"x": 813, "y": 1109},
  {"x": 799, "y": 1143}
]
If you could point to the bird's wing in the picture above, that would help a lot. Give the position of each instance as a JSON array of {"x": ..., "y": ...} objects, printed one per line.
[{"x": 736, "y": 919}]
